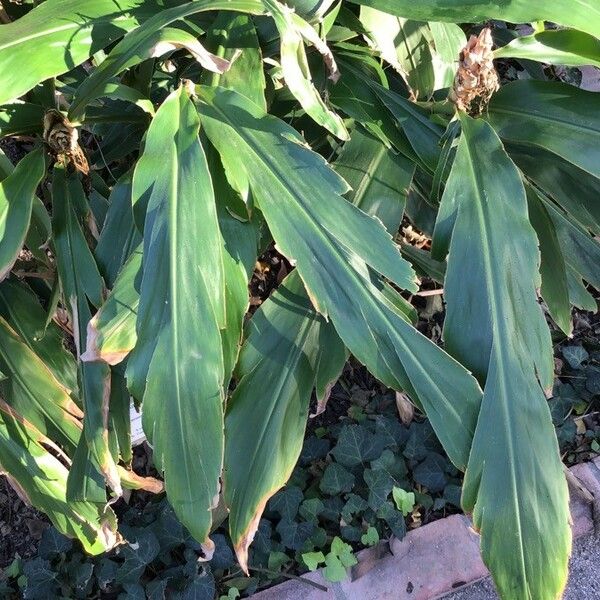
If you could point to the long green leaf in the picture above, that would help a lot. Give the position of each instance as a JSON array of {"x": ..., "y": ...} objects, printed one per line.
[
  {"x": 576, "y": 191},
  {"x": 294, "y": 64},
  {"x": 580, "y": 14},
  {"x": 514, "y": 482},
  {"x": 233, "y": 36},
  {"x": 21, "y": 308},
  {"x": 555, "y": 116},
  {"x": 553, "y": 270},
  {"x": 126, "y": 55},
  {"x": 119, "y": 236},
  {"x": 42, "y": 480},
  {"x": 17, "y": 193},
  {"x": 31, "y": 389},
  {"x": 58, "y": 35},
  {"x": 289, "y": 345},
  {"x": 177, "y": 364},
  {"x": 111, "y": 333},
  {"x": 337, "y": 248},
  {"x": 21, "y": 118},
  {"x": 139, "y": 43},
  {"x": 379, "y": 178},
  {"x": 581, "y": 250},
  {"x": 81, "y": 283},
  {"x": 561, "y": 47}
]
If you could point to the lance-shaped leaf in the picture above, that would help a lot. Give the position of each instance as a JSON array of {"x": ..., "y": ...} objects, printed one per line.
[
  {"x": 22, "y": 310},
  {"x": 579, "y": 14},
  {"x": 337, "y": 248},
  {"x": 142, "y": 43},
  {"x": 289, "y": 345},
  {"x": 81, "y": 284},
  {"x": 178, "y": 361},
  {"x": 554, "y": 116},
  {"x": 32, "y": 390},
  {"x": 240, "y": 251},
  {"x": 425, "y": 54},
  {"x": 576, "y": 191},
  {"x": 554, "y": 289},
  {"x": 119, "y": 236},
  {"x": 17, "y": 193},
  {"x": 560, "y": 47},
  {"x": 496, "y": 327},
  {"x": 61, "y": 34},
  {"x": 234, "y": 37},
  {"x": 125, "y": 55},
  {"x": 379, "y": 177},
  {"x": 581, "y": 250},
  {"x": 41, "y": 480},
  {"x": 354, "y": 96},
  {"x": 111, "y": 333},
  {"x": 20, "y": 118},
  {"x": 294, "y": 64}
]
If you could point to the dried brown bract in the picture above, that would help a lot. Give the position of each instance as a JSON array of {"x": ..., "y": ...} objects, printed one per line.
[
  {"x": 476, "y": 79},
  {"x": 63, "y": 140}
]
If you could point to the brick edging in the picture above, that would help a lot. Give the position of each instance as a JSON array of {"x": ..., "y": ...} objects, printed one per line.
[{"x": 429, "y": 562}]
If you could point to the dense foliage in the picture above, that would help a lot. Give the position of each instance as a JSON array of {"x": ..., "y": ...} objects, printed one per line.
[{"x": 166, "y": 145}]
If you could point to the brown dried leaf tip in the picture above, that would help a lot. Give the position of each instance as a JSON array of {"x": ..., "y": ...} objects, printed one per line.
[
  {"x": 476, "y": 79},
  {"x": 63, "y": 141}
]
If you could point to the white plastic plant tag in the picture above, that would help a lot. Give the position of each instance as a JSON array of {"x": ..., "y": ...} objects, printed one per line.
[{"x": 137, "y": 433}]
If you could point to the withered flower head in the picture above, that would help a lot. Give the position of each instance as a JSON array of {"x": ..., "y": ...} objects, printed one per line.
[
  {"x": 63, "y": 140},
  {"x": 476, "y": 79}
]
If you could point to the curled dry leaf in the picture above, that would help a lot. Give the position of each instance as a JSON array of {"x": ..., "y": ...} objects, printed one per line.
[
  {"x": 209, "y": 61},
  {"x": 476, "y": 79},
  {"x": 406, "y": 409}
]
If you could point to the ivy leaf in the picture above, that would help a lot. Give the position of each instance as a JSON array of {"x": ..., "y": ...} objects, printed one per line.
[
  {"x": 277, "y": 559},
  {"x": 41, "y": 580},
  {"x": 293, "y": 535},
  {"x": 106, "y": 573},
  {"x": 169, "y": 530},
  {"x": 336, "y": 479},
  {"x": 405, "y": 501},
  {"x": 392, "y": 430},
  {"x": 262, "y": 539},
  {"x": 371, "y": 537},
  {"x": 286, "y": 502},
  {"x": 391, "y": 463},
  {"x": 334, "y": 570},
  {"x": 575, "y": 355},
  {"x": 393, "y": 518},
  {"x": 313, "y": 449},
  {"x": 133, "y": 591},
  {"x": 343, "y": 551},
  {"x": 52, "y": 543},
  {"x": 421, "y": 441},
  {"x": 137, "y": 555},
  {"x": 80, "y": 574},
  {"x": 223, "y": 555},
  {"x": 156, "y": 589},
  {"x": 356, "y": 445},
  {"x": 431, "y": 472},
  {"x": 380, "y": 485},
  {"x": 354, "y": 505},
  {"x": 312, "y": 560},
  {"x": 311, "y": 508},
  {"x": 333, "y": 509},
  {"x": 452, "y": 494},
  {"x": 201, "y": 588},
  {"x": 351, "y": 533}
]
